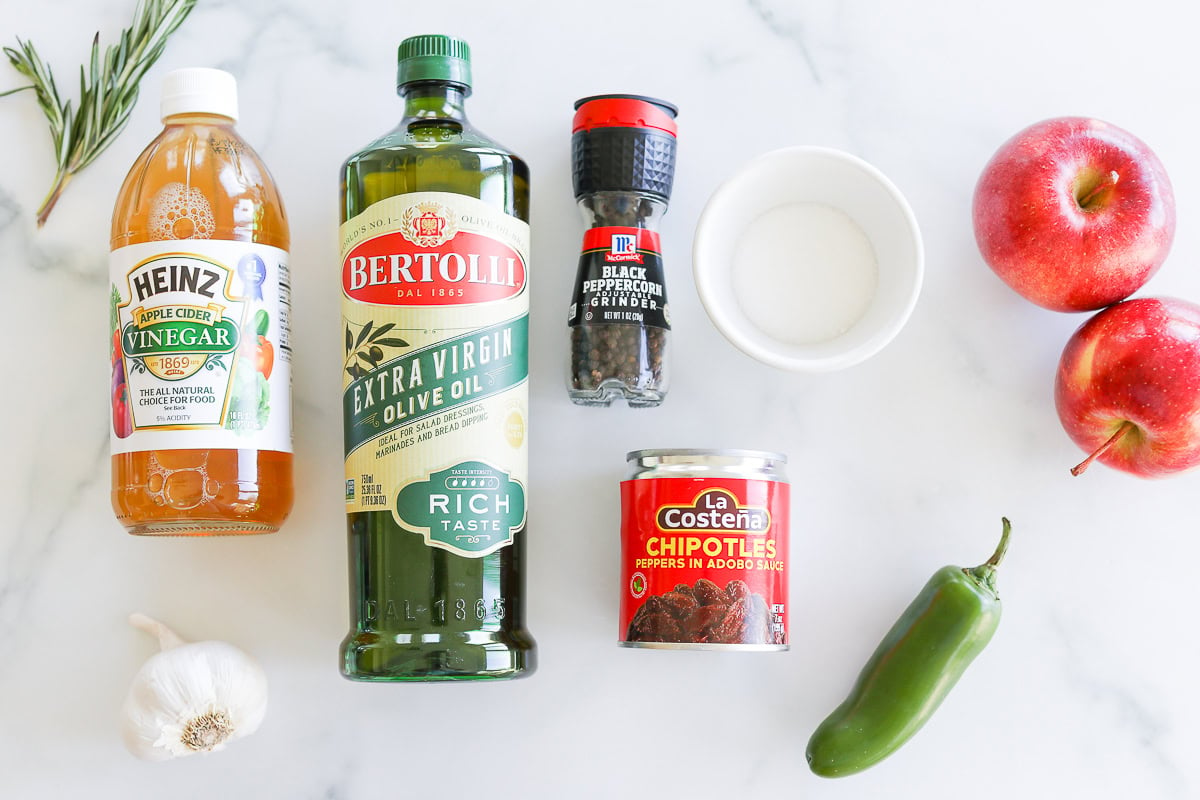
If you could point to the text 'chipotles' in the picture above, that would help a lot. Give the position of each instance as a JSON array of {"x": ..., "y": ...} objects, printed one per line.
[{"x": 704, "y": 543}]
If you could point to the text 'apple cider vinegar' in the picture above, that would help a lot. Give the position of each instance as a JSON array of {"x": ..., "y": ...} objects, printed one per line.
[
  {"x": 199, "y": 315},
  {"x": 435, "y": 307}
]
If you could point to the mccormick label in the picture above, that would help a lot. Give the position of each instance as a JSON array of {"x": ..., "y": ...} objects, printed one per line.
[
  {"x": 704, "y": 563},
  {"x": 620, "y": 279},
  {"x": 200, "y": 346},
  {"x": 435, "y": 374}
]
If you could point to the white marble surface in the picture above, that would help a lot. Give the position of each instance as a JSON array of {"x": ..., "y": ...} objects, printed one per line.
[{"x": 899, "y": 465}]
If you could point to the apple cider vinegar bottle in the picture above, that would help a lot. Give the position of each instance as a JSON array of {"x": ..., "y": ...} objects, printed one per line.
[
  {"x": 199, "y": 307},
  {"x": 435, "y": 305}
]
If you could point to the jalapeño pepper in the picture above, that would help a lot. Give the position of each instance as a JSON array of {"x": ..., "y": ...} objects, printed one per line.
[{"x": 912, "y": 670}]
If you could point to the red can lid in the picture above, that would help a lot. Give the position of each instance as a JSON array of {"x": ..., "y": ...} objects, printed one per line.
[{"x": 624, "y": 111}]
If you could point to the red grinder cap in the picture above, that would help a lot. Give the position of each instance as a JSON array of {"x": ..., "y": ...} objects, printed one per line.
[{"x": 624, "y": 111}]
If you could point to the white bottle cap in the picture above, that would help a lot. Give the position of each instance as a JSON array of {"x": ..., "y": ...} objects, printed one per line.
[{"x": 199, "y": 90}]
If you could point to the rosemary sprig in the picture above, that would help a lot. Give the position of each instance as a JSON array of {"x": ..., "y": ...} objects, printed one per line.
[{"x": 108, "y": 89}]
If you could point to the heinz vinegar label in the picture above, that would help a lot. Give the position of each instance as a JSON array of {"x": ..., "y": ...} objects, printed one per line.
[
  {"x": 435, "y": 379},
  {"x": 200, "y": 346}
]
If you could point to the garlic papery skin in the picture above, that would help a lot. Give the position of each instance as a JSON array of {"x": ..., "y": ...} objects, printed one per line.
[{"x": 191, "y": 697}]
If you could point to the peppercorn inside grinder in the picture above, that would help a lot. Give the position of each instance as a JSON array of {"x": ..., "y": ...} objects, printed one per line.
[{"x": 623, "y": 165}]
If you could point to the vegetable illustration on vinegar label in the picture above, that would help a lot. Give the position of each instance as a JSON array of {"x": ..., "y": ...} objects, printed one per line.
[
  {"x": 436, "y": 365},
  {"x": 198, "y": 341}
]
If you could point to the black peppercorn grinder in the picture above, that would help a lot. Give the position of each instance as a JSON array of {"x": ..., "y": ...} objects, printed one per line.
[{"x": 623, "y": 165}]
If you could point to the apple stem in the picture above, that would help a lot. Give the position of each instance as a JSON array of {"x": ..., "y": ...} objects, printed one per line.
[
  {"x": 1103, "y": 185},
  {"x": 1125, "y": 428}
]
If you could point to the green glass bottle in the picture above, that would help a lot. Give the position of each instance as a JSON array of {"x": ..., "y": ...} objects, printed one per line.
[{"x": 434, "y": 246}]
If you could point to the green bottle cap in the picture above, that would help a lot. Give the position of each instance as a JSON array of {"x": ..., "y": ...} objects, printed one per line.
[{"x": 434, "y": 57}]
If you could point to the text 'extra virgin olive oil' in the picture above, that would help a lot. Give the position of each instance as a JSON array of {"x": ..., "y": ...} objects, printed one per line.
[{"x": 435, "y": 254}]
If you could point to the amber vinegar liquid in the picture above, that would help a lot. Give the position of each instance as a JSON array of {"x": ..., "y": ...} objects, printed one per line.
[{"x": 199, "y": 180}]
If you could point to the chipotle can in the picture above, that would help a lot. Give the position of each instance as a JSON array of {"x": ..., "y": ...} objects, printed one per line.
[{"x": 704, "y": 544}]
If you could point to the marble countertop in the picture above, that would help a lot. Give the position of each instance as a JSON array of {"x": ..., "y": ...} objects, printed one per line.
[{"x": 899, "y": 465}]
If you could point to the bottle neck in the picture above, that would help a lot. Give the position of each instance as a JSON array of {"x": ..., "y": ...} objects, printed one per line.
[
  {"x": 198, "y": 118},
  {"x": 434, "y": 100}
]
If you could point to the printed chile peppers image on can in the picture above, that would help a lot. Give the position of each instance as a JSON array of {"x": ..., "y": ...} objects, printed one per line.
[{"x": 704, "y": 543}]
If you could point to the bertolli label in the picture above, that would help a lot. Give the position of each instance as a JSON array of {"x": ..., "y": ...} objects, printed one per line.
[{"x": 436, "y": 339}]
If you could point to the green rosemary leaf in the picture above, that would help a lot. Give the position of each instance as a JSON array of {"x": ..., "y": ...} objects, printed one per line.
[{"x": 108, "y": 89}]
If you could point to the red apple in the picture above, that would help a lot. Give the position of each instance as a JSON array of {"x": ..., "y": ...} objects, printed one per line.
[
  {"x": 1128, "y": 387},
  {"x": 1074, "y": 214}
]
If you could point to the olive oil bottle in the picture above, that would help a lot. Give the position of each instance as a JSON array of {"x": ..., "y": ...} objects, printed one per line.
[{"x": 434, "y": 248}]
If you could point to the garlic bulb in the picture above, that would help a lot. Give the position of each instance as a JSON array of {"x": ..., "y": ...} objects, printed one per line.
[{"x": 191, "y": 698}]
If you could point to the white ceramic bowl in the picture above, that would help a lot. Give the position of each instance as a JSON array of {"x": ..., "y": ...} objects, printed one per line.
[{"x": 805, "y": 174}]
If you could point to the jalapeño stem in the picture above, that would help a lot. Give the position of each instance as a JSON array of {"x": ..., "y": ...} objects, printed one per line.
[{"x": 985, "y": 573}]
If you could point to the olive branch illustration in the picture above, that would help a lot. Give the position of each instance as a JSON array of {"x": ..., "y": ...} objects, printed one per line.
[{"x": 367, "y": 347}]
